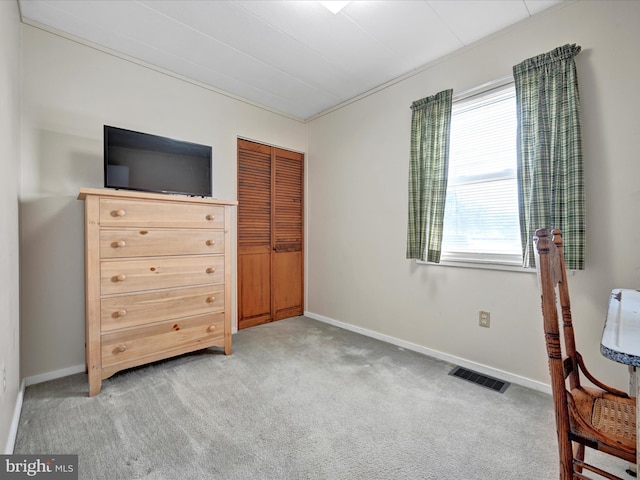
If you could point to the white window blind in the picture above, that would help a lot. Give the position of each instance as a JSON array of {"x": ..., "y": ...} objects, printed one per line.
[{"x": 481, "y": 215}]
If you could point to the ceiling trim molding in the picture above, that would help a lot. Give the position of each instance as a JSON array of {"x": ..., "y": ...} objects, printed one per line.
[
  {"x": 449, "y": 56},
  {"x": 416, "y": 71},
  {"x": 150, "y": 66}
]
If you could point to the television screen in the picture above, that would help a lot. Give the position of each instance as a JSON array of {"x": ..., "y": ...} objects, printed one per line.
[{"x": 151, "y": 163}]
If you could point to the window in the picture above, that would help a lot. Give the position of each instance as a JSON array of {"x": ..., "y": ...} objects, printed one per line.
[{"x": 481, "y": 222}]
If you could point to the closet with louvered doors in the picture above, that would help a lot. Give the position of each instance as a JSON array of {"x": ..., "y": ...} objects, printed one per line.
[{"x": 270, "y": 233}]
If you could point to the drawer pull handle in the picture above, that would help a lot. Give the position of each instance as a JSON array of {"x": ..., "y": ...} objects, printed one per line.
[
  {"x": 122, "y": 348},
  {"x": 210, "y": 217},
  {"x": 211, "y": 299},
  {"x": 120, "y": 278},
  {"x": 120, "y": 313},
  {"x": 119, "y": 244},
  {"x": 211, "y": 270},
  {"x": 211, "y": 242},
  {"x": 211, "y": 328},
  {"x": 118, "y": 213}
]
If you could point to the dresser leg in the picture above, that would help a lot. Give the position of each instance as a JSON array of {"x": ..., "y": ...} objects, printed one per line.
[
  {"x": 227, "y": 337},
  {"x": 95, "y": 383}
]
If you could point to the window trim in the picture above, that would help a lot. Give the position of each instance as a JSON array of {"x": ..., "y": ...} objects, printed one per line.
[
  {"x": 497, "y": 83},
  {"x": 509, "y": 262}
]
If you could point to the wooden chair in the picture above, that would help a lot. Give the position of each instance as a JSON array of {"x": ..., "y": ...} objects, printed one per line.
[{"x": 601, "y": 418}]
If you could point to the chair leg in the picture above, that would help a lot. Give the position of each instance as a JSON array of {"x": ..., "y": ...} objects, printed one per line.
[
  {"x": 566, "y": 459},
  {"x": 578, "y": 453}
]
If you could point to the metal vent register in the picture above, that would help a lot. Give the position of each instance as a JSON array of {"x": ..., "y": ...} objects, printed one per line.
[{"x": 479, "y": 379}]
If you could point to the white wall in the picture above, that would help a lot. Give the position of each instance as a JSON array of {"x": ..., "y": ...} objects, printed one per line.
[
  {"x": 357, "y": 167},
  {"x": 357, "y": 203},
  {"x": 9, "y": 183},
  {"x": 70, "y": 92}
]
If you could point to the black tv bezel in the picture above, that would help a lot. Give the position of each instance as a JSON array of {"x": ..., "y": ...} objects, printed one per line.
[{"x": 150, "y": 138}]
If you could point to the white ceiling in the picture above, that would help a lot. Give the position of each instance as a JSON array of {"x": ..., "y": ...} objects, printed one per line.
[{"x": 293, "y": 57}]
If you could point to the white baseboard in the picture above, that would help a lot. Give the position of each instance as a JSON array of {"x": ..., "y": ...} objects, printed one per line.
[
  {"x": 45, "y": 377},
  {"x": 484, "y": 369},
  {"x": 13, "y": 430}
]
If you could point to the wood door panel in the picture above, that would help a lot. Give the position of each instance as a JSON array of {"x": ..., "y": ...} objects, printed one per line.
[
  {"x": 288, "y": 293},
  {"x": 288, "y": 201},
  {"x": 287, "y": 235},
  {"x": 254, "y": 289},
  {"x": 254, "y": 198}
]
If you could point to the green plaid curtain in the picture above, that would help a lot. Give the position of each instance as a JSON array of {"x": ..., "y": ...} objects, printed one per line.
[
  {"x": 550, "y": 170},
  {"x": 430, "y": 127}
]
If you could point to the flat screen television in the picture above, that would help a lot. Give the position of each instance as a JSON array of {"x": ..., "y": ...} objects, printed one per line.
[{"x": 151, "y": 163}]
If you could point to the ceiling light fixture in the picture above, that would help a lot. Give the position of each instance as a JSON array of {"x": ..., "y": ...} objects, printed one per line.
[{"x": 334, "y": 6}]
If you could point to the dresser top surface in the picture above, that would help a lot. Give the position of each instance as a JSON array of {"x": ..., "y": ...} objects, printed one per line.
[{"x": 166, "y": 197}]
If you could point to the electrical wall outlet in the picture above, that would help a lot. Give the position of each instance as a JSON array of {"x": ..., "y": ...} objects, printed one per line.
[{"x": 484, "y": 319}]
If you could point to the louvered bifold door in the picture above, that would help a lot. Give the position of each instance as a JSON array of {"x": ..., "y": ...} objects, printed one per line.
[
  {"x": 254, "y": 233},
  {"x": 287, "y": 235},
  {"x": 270, "y": 233}
]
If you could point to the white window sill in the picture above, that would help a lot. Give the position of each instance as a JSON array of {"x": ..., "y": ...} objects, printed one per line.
[
  {"x": 486, "y": 266},
  {"x": 480, "y": 265}
]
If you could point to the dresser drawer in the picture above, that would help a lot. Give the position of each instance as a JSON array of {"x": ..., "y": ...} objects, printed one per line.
[
  {"x": 136, "y": 242},
  {"x": 140, "y": 213},
  {"x": 137, "y": 309},
  {"x": 134, "y": 343},
  {"x": 124, "y": 276}
]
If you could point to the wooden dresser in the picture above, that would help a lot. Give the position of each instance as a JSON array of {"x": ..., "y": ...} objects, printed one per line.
[{"x": 158, "y": 278}]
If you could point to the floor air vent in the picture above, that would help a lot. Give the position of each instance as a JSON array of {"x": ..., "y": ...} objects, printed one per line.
[{"x": 482, "y": 380}]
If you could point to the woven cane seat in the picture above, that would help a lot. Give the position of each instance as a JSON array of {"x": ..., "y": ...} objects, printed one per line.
[
  {"x": 616, "y": 418},
  {"x": 612, "y": 416}
]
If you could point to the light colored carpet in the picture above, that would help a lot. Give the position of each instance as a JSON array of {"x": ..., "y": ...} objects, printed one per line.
[{"x": 298, "y": 399}]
